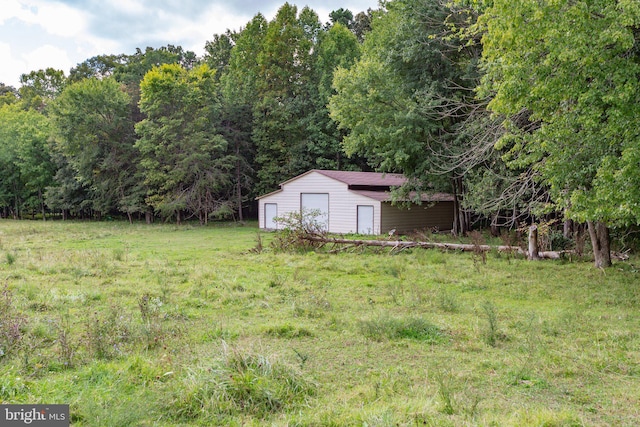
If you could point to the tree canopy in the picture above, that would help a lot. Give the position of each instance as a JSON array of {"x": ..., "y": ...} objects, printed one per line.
[{"x": 574, "y": 67}]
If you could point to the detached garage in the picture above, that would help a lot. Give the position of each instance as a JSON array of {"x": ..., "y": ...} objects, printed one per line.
[{"x": 354, "y": 202}]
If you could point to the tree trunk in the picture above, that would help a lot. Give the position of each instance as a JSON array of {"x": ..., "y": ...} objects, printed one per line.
[
  {"x": 42, "y": 205},
  {"x": 495, "y": 231},
  {"x": 600, "y": 244},
  {"x": 460, "y": 223},
  {"x": 533, "y": 243},
  {"x": 566, "y": 229},
  {"x": 238, "y": 183}
]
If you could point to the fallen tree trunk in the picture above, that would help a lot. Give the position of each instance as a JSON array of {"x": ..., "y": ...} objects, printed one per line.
[{"x": 401, "y": 244}]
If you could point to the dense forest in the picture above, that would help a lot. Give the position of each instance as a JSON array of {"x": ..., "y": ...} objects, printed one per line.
[{"x": 526, "y": 111}]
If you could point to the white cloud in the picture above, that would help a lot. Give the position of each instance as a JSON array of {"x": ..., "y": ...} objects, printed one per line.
[
  {"x": 55, "y": 18},
  {"x": 48, "y": 56},
  {"x": 127, "y": 7},
  {"x": 12, "y": 9},
  {"x": 11, "y": 68},
  {"x": 61, "y": 20},
  {"x": 192, "y": 35}
]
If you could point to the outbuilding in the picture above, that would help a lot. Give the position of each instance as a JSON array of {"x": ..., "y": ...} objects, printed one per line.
[{"x": 354, "y": 202}]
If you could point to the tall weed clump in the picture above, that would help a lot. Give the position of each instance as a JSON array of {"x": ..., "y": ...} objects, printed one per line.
[
  {"x": 492, "y": 333},
  {"x": 241, "y": 383},
  {"x": 416, "y": 328},
  {"x": 107, "y": 334},
  {"x": 11, "y": 324},
  {"x": 152, "y": 328}
]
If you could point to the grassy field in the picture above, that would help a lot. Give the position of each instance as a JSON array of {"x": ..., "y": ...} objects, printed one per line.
[{"x": 136, "y": 325}]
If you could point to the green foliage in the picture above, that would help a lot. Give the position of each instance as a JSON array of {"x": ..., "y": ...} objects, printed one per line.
[
  {"x": 184, "y": 158},
  {"x": 26, "y": 163},
  {"x": 492, "y": 332},
  {"x": 284, "y": 98},
  {"x": 151, "y": 317},
  {"x": 10, "y": 257},
  {"x": 218, "y": 52},
  {"x": 336, "y": 48},
  {"x": 395, "y": 100},
  {"x": 94, "y": 136},
  {"x": 572, "y": 66},
  {"x": 8, "y": 94},
  {"x": 106, "y": 334},
  {"x": 39, "y": 88},
  {"x": 294, "y": 228}
]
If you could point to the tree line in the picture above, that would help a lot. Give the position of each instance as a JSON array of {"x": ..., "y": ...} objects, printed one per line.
[
  {"x": 164, "y": 133},
  {"x": 524, "y": 110}
]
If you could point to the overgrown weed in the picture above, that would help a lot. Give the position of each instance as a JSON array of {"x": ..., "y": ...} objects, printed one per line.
[
  {"x": 240, "y": 382},
  {"x": 107, "y": 334},
  {"x": 12, "y": 323},
  {"x": 416, "y": 328},
  {"x": 492, "y": 333}
]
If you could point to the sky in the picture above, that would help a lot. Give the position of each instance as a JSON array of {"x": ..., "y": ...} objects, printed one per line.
[{"x": 38, "y": 34}]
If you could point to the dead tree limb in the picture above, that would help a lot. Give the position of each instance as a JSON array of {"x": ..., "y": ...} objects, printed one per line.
[{"x": 401, "y": 244}]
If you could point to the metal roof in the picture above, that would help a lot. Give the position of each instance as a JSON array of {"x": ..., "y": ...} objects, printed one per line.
[
  {"x": 364, "y": 178},
  {"x": 385, "y": 196},
  {"x": 369, "y": 179}
]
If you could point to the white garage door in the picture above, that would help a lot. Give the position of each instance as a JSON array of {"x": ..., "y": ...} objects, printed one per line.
[
  {"x": 365, "y": 219},
  {"x": 270, "y": 212},
  {"x": 316, "y": 203}
]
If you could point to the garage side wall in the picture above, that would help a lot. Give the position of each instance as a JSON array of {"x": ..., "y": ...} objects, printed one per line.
[
  {"x": 419, "y": 217},
  {"x": 343, "y": 204}
]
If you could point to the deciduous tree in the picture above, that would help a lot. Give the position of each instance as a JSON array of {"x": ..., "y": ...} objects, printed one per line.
[
  {"x": 574, "y": 66},
  {"x": 184, "y": 157},
  {"x": 96, "y": 136}
]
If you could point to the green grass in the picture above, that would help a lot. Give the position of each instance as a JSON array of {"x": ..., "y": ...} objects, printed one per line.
[{"x": 137, "y": 325}]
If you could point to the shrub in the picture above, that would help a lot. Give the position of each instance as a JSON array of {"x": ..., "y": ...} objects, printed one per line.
[{"x": 294, "y": 230}]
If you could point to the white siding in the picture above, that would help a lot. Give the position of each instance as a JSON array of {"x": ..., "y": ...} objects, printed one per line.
[{"x": 343, "y": 211}]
